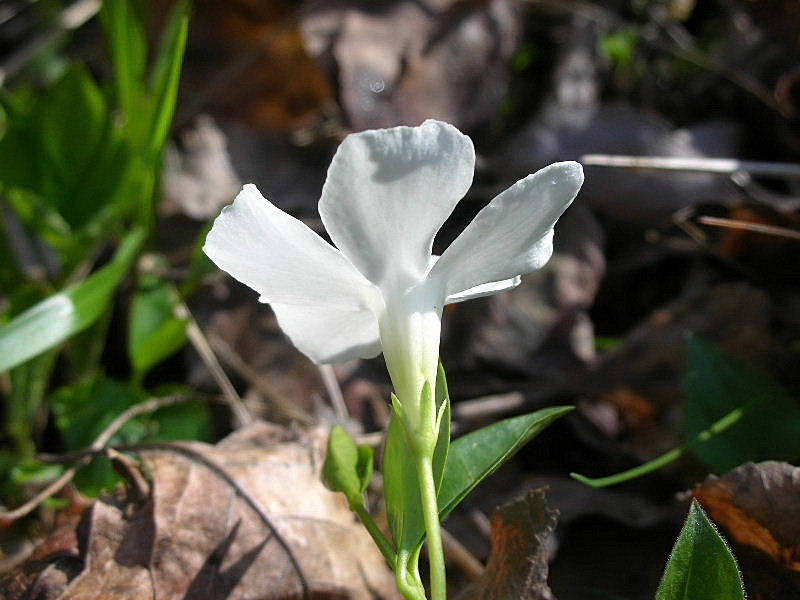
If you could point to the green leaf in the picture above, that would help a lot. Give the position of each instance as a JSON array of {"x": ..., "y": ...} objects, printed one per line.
[
  {"x": 477, "y": 455},
  {"x": 400, "y": 483},
  {"x": 166, "y": 75},
  {"x": 60, "y": 316},
  {"x": 83, "y": 411},
  {"x": 22, "y": 411},
  {"x": 716, "y": 385},
  {"x": 155, "y": 332},
  {"x": 701, "y": 564},
  {"x": 125, "y": 24},
  {"x": 348, "y": 467},
  {"x": 191, "y": 420},
  {"x": 65, "y": 149},
  {"x": 443, "y": 437}
]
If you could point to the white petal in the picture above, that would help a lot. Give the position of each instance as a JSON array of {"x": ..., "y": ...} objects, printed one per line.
[
  {"x": 513, "y": 234},
  {"x": 486, "y": 289},
  {"x": 388, "y": 192},
  {"x": 281, "y": 258},
  {"x": 329, "y": 335}
]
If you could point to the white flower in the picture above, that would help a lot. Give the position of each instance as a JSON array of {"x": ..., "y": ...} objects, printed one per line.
[{"x": 387, "y": 193}]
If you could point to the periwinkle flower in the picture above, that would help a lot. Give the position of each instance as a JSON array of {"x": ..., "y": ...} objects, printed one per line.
[{"x": 387, "y": 193}]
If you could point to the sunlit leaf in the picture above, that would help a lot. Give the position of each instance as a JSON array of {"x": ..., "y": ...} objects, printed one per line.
[{"x": 60, "y": 316}]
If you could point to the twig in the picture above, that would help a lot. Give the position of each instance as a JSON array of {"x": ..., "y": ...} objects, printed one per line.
[
  {"x": 241, "y": 416},
  {"x": 334, "y": 391},
  {"x": 84, "y": 457},
  {"x": 488, "y": 406},
  {"x": 725, "y": 166},
  {"x": 246, "y": 372},
  {"x": 747, "y": 226},
  {"x": 70, "y": 18},
  {"x": 470, "y": 566}
]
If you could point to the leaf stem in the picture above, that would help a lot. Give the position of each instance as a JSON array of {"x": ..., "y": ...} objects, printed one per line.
[
  {"x": 672, "y": 455},
  {"x": 383, "y": 544},
  {"x": 430, "y": 511}
]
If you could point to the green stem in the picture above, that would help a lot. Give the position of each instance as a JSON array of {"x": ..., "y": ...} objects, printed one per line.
[
  {"x": 407, "y": 576},
  {"x": 716, "y": 428},
  {"x": 383, "y": 544},
  {"x": 430, "y": 511}
]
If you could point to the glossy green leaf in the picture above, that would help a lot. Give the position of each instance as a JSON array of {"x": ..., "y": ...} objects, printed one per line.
[
  {"x": 60, "y": 316},
  {"x": 348, "y": 467},
  {"x": 716, "y": 385},
  {"x": 155, "y": 333},
  {"x": 477, "y": 455},
  {"x": 701, "y": 564}
]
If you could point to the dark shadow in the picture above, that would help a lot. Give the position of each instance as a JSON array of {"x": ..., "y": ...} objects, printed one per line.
[{"x": 212, "y": 583}]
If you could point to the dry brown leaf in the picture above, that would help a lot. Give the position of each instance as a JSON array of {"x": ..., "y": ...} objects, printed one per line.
[
  {"x": 247, "y": 518},
  {"x": 757, "y": 506},
  {"x": 517, "y": 567},
  {"x": 246, "y": 59}
]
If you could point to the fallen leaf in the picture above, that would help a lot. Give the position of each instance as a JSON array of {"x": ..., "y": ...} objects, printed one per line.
[
  {"x": 517, "y": 567},
  {"x": 757, "y": 507},
  {"x": 246, "y": 59},
  {"x": 247, "y": 518}
]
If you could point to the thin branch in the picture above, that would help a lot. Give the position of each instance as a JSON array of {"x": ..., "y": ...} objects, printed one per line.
[
  {"x": 85, "y": 457},
  {"x": 488, "y": 406},
  {"x": 725, "y": 166},
  {"x": 334, "y": 391},
  {"x": 241, "y": 416},
  {"x": 470, "y": 566},
  {"x": 272, "y": 398},
  {"x": 748, "y": 226}
]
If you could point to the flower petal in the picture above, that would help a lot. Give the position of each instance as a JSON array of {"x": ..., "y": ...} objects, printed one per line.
[
  {"x": 486, "y": 289},
  {"x": 329, "y": 335},
  {"x": 388, "y": 192},
  {"x": 513, "y": 234},
  {"x": 281, "y": 258}
]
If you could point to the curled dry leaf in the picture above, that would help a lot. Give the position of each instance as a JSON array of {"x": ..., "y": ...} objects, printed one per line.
[
  {"x": 248, "y": 518},
  {"x": 757, "y": 506},
  {"x": 517, "y": 568}
]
